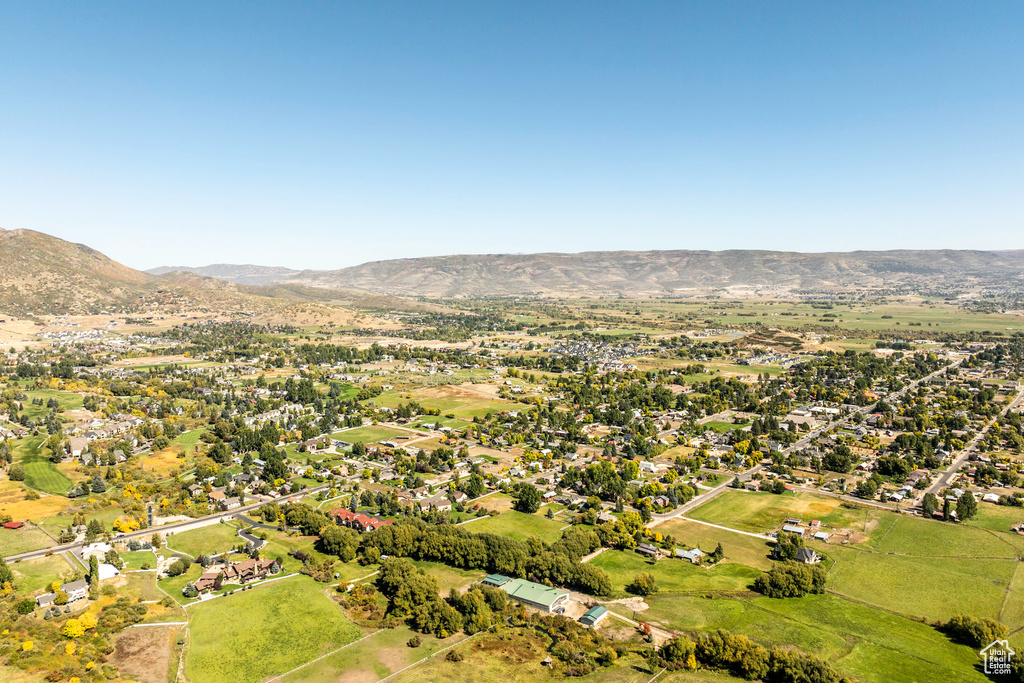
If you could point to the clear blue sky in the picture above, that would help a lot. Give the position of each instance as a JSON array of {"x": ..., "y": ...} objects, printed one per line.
[{"x": 324, "y": 135}]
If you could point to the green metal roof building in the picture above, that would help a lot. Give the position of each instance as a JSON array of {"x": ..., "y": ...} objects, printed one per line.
[
  {"x": 496, "y": 580},
  {"x": 534, "y": 595},
  {"x": 594, "y": 615}
]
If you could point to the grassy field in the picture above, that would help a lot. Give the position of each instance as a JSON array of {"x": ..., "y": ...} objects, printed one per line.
[
  {"x": 869, "y": 644},
  {"x": 518, "y": 525},
  {"x": 55, "y": 523},
  {"x": 753, "y": 552},
  {"x": 265, "y": 631},
  {"x": 142, "y": 585},
  {"x": 40, "y": 473},
  {"x": 370, "y": 434},
  {"x": 761, "y": 512},
  {"x": 674, "y": 576},
  {"x": 135, "y": 560},
  {"x": 905, "y": 535},
  {"x": 173, "y": 585},
  {"x": 207, "y": 540},
  {"x": 17, "y": 541},
  {"x": 378, "y": 656},
  {"x": 68, "y": 400},
  {"x": 923, "y": 587},
  {"x": 450, "y": 577},
  {"x": 32, "y": 575}
]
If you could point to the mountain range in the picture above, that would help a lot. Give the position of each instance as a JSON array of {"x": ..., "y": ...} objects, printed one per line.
[
  {"x": 650, "y": 273},
  {"x": 44, "y": 274}
]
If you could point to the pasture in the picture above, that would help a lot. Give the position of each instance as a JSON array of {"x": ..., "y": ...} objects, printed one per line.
[
  {"x": 518, "y": 525},
  {"x": 264, "y": 631},
  {"x": 761, "y": 512},
  {"x": 870, "y": 644}
]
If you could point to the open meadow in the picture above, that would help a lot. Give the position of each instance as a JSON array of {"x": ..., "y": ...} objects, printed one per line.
[{"x": 265, "y": 631}]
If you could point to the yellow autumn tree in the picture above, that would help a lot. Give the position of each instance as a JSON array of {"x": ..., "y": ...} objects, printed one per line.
[
  {"x": 27, "y": 645},
  {"x": 87, "y": 620},
  {"x": 72, "y": 629},
  {"x": 69, "y": 648}
]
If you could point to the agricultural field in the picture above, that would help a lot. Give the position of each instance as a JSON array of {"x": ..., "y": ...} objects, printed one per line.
[{"x": 264, "y": 631}]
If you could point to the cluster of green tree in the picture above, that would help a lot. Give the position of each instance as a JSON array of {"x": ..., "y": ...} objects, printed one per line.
[
  {"x": 412, "y": 595},
  {"x": 557, "y": 564},
  {"x": 977, "y": 632},
  {"x": 741, "y": 657},
  {"x": 791, "y": 580}
]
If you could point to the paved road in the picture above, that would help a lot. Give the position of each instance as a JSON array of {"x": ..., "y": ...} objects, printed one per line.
[{"x": 177, "y": 526}]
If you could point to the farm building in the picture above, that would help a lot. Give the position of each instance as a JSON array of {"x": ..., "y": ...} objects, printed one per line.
[
  {"x": 594, "y": 615},
  {"x": 535, "y": 595},
  {"x": 495, "y": 580}
]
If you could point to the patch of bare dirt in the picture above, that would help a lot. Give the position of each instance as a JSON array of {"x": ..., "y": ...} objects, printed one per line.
[
  {"x": 635, "y": 604},
  {"x": 144, "y": 653}
]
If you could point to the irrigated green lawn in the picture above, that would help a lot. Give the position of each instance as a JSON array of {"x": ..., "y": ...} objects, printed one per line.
[
  {"x": 268, "y": 630},
  {"x": 67, "y": 400},
  {"x": 519, "y": 525}
]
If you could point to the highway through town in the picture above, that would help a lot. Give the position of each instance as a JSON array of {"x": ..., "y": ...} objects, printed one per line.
[{"x": 173, "y": 527}]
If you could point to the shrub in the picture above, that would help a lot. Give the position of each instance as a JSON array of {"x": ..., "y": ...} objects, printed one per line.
[
  {"x": 643, "y": 584},
  {"x": 415, "y": 641},
  {"x": 454, "y": 656}
]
